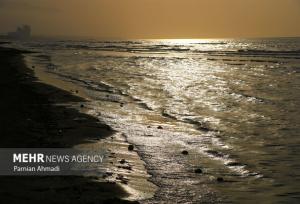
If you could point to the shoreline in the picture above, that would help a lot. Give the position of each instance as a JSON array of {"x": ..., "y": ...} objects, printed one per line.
[{"x": 39, "y": 111}]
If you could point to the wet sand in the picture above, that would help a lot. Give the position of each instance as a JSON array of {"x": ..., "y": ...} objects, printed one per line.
[{"x": 36, "y": 114}]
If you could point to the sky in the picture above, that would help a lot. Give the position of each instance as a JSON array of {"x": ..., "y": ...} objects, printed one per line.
[{"x": 154, "y": 18}]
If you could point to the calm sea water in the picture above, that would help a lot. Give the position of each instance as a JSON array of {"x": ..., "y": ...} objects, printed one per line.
[{"x": 234, "y": 105}]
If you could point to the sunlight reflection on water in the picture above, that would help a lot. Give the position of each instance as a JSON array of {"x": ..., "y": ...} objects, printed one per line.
[{"x": 233, "y": 104}]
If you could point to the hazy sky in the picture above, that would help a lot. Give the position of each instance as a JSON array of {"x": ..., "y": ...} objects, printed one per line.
[{"x": 154, "y": 18}]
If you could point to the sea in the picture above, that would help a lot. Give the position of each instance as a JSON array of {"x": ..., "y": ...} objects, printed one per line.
[{"x": 232, "y": 104}]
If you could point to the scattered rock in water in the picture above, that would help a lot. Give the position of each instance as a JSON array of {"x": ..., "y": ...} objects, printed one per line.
[
  {"x": 125, "y": 167},
  {"x": 205, "y": 129},
  {"x": 122, "y": 179},
  {"x": 130, "y": 147},
  {"x": 124, "y": 182},
  {"x": 198, "y": 171},
  {"x": 184, "y": 152},
  {"x": 160, "y": 127},
  {"x": 123, "y": 161},
  {"x": 119, "y": 177},
  {"x": 233, "y": 164},
  {"x": 109, "y": 173},
  {"x": 220, "y": 179},
  {"x": 107, "y": 127}
]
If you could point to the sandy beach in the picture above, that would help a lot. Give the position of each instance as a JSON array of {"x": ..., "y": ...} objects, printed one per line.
[{"x": 39, "y": 115}]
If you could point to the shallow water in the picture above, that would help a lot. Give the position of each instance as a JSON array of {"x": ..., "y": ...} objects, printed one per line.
[{"x": 233, "y": 104}]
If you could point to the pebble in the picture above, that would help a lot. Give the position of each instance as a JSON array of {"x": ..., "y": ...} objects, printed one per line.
[
  {"x": 122, "y": 161},
  {"x": 125, "y": 167},
  {"x": 124, "y": 182},
  {"x": 233, "y": 164},
  {"x": 81, "y": 106},
  {"x": 220, "y": 179},
  {"x": 109, "y": 173},
  {"x": 184, "y": 152},
  {"x": 160, "y": 127},
  {"x": 122, "y": 179},
  {"x": 204, "y": 129},
  {"x": 198, "y": 171},
  {"x": 130, "y": 147}
]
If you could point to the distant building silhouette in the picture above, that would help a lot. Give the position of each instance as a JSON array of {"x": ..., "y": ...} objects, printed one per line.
[{"x": 22, "y": 32}]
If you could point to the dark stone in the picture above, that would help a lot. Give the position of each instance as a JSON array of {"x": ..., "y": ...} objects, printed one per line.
[
  {"x": 108, "y": 127},
  {"x": 81, "y": 106},
  {"x": 119, "y": 177},
  {"x": 33, "y": 66},
  {"x": 160, "y": 127},
  {"x": 184, "y": 152},
  {"x": 204, "y": 129},
  {"x": 130, "y": 147},
  {"x": 125, "y": 167},
  {"x": 220, "y": 179},
  {"x": 122, "y": 161},
  {"x": 109, "y": 173},
  {"x": 76, "y": 91},
  {"x": 148, "y": 126},
  {"x": 124, "y": 182},
  {"x": 233, "y": 164},
  {"x": 198, "y": 171}
]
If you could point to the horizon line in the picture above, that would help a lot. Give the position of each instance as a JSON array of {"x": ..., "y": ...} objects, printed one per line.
[{"x": 179, "y": 38}]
